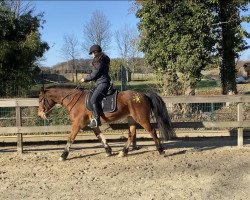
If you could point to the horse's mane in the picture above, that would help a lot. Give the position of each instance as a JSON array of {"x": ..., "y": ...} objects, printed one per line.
[{"x": 65, "y": 86}]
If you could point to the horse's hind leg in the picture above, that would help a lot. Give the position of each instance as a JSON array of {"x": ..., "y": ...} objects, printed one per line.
[
  {"x": 132, "y": 131},
  {"x": 131, "y": 137},
  {"x": 103, "y": 140},
  {"x": 148, "y": 127}
]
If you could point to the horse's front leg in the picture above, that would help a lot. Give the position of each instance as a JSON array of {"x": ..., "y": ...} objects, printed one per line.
[
  {"x": 74, "y": 130},
  {"x": 103, "y": 140}
]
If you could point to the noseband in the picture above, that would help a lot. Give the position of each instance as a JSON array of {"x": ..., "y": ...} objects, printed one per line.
[{"x": 45, "y": 101}]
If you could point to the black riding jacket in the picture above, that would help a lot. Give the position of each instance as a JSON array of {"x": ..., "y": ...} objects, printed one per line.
[{"x": 101, "y": 72}]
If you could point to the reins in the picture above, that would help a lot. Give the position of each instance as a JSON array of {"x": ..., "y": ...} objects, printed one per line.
[
  {"x": 73, "y": 99},
  {"x": 75, "y": 91}
]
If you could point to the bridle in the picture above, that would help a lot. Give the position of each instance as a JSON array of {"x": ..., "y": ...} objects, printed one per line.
[{"x": 44, "y": 101}]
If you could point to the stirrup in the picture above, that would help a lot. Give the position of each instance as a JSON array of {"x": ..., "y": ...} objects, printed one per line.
[{"x": 93, "y": 123}]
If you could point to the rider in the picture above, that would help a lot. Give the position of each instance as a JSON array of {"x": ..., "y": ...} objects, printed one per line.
[{"x": 100, "y": 75}]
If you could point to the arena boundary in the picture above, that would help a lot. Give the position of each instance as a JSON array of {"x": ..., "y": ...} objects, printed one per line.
[{"x": 240, "y": 124}]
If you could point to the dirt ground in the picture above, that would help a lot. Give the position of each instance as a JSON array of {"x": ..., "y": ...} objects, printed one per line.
[{"x": 208, "y": 168}]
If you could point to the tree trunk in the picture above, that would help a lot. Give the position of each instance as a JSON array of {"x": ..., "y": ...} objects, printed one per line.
[
  {"x": 227, "y": 67},
  {"x": 170, "y": 86}
]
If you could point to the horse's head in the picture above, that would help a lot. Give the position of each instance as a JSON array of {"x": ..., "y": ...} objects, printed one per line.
[{"x": 45, "y": 103}]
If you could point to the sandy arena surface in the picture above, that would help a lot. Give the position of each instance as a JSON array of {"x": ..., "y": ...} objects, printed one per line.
[{"x": 212, "y": 168}]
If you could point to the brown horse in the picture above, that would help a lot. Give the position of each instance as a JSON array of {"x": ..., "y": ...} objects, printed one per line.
[{"x": 135, "y": 106}]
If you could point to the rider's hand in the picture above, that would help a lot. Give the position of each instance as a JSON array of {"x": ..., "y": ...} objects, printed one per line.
[{"x": 82, "y": 80}]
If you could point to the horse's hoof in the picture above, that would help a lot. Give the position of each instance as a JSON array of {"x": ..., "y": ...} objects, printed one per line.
[
  {"x": 62, "y": 159},
  {"x": 121, "y": 154},
  {"x": 162, "y": 152},
  {"x": 64, "y": 156},
  {"x": 108, "y": 154},
  {"x": 135, "y": 148}
]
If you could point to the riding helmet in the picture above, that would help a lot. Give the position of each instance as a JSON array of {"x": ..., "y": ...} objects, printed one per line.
[{"x": 95, "y": 47}]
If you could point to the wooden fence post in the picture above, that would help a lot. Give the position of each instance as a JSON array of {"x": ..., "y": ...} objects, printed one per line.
[
  {"x": 240, "y": 129},
  {"x": 18, "y": 124}
]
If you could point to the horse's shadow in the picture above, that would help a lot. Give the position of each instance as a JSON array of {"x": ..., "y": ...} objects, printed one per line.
[
  {"x": 204, "y": 144},
  {"x": 84, "y": 156},
  {"x": 180, "y": 145},
  {"x": 175, "y": 153}
]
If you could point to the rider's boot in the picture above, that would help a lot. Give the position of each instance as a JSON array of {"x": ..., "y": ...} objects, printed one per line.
[{"x": 95, "y": 121}]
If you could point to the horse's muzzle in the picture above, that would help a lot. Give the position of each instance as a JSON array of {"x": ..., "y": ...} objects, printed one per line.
[{"x": 42, "y": 114}]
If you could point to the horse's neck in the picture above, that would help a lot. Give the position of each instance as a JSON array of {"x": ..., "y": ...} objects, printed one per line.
[
  {"x": 66, "y": 97},
  {"x": 59, "y": 96}
]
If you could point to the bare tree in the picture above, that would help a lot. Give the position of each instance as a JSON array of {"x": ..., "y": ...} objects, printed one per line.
[
  {"x": 127, "y": 40},
  {"x": 97, "y": 31},
  {"x": 20, "y": 7},
  {"x": 71, "y": 51}
]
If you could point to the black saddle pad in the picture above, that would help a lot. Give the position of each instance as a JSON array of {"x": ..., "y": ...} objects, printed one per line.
[{"x": 108, "y": 103}]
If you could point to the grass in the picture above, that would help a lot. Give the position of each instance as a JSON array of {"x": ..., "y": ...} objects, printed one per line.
[
  {"x": 208, "y": 84},
  {"x": 140, "y": 86},
  {"x": 208, "y": 87},
  {"x": 148, "y": 82}
]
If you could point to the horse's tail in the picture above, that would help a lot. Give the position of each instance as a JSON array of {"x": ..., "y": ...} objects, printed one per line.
[{"x": 161, "y": 115}]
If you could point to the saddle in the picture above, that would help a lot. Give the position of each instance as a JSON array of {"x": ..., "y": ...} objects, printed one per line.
[{"x": 108, "y": 102}]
